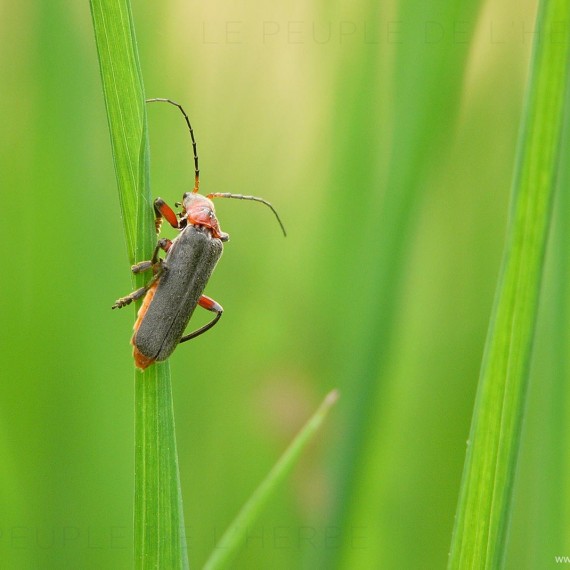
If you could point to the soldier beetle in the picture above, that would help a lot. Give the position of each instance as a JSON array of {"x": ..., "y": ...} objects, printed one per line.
[{"x": 179, "y": 280}]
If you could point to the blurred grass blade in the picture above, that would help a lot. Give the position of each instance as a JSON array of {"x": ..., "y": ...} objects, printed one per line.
[
  {"x": 485, "y": 498},
  {"x": 404, "y": 101},
  {"x": 234, "y": 536},
  {"x": 159, "y": 523}
]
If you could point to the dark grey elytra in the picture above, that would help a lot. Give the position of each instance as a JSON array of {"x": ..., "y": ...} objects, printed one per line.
[{"x": 188, "y": 265}]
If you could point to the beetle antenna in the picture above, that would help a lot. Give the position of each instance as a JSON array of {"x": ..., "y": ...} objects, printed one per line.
[
  {"x": 196, "y": 169},
  {"x": 254, "y": 198}
]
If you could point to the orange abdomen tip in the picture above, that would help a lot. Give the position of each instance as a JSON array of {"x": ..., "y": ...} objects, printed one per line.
[{"x": 141, "y": 361}]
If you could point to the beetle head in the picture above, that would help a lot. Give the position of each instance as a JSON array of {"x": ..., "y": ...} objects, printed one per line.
[
  {"x": 192, "y": 200},
  {"x": 200, "y": 211}
]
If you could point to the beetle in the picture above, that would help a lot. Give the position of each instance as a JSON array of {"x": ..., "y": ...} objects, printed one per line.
[{"x": 178, "y": 280}]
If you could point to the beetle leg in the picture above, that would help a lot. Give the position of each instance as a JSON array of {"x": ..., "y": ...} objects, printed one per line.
[
  {"x": 124, "y": 301},
  {"x": 210, "y": 305},
  {"x": 142, "y": 266},
  {"x": 163, "y": 210}
]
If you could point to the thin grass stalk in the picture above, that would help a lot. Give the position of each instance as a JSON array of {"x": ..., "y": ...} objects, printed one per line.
[
  {"x": 234, "y": 537},
  {"x": 159, "y": 538}
]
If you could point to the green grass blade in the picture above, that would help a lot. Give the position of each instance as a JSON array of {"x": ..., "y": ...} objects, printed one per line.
[
  {"x": 556, "y": 489},
  {"x": 160, "y": 540},
  {"x": 484, "y": 505},
  {"x": 124, "y": 102},
  {"x": 234, "y": 536},
  {"x": 158, "y": 519}
]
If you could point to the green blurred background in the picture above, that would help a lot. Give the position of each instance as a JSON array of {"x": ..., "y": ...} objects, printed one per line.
[{"x": 385, "y": 136}]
